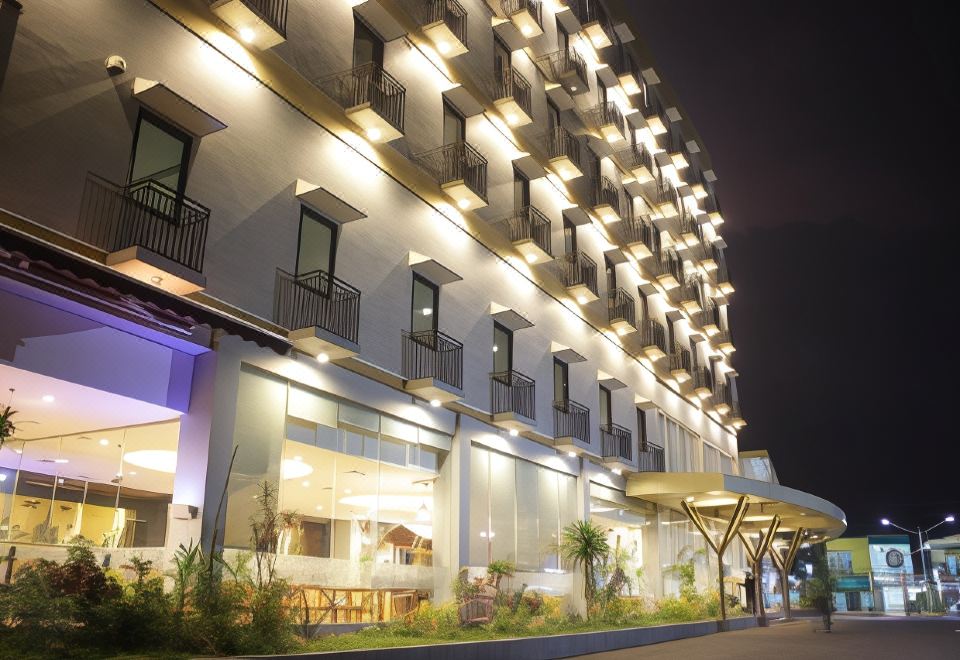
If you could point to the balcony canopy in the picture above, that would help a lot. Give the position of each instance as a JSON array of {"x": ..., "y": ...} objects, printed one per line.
[{"x": 168, "y": 104}]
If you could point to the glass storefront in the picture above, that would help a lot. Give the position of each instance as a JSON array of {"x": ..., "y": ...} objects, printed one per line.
[{"x": 632, "y": 534}]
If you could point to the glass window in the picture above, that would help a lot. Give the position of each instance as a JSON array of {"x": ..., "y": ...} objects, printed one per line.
[
  {"x": 454, "y": 126},
  {"x": 561, "y": 383},
  {"x": 521, "y": 190},
  {"x": 426, "y": 298},
  {"x": 503, "y": 498},
  {"x": 160, "y": 153},
  {"x": 569, "y": 236},
  {"x": 502, "y": 348},
  {"x": 501, "y": 56},
  {"x": 367, "y": 45},
  {"x": 479, "y": 507},
  {"x": 683, "y": 451},
  {"x": 317, "y": 249},
  {"x": 605, "y": 408},
  {"x": 528, "y": 533}
]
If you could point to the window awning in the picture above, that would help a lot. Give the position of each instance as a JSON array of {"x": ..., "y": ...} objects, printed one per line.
[
  {"x": 168, "y": 104},
  {"x": 509, "y": 318},
  {"x": 432, "y": 269},
  {"x": 565, "y": 354},
  {"x": 322, "y": 200}
]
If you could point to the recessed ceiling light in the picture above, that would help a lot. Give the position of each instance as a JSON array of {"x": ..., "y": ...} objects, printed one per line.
[
  {"x": 48, "y": 398},
  {"x": 374, "y": 134},
  {"x": 104, "y": 442},
  {"x": 305, "y": 484},
  {"x": 347, "y": 491},
  {"x": 61, "y": 461},
  {"x": 435, "y": 403},
  {"x": 247, "y": 34},
  {"x": 323, "y": 358},
  {"x": 132, "y": 473},
  {"x": 514, "y": 433},
  {"x": 161, "y": 460}
]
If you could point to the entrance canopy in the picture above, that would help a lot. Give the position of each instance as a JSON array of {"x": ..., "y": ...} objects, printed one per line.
[{"x": 715, "y": 496}]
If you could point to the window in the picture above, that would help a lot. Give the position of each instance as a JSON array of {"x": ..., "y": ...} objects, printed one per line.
[
  {"x": 160, "y": 153},
  {"x": 606, "y": 411},
  {"x": 611, "y": 273},
  {"x": 426, "y": 301},
  {"x": 367, "y": 45},
  {"x": 502, "y": 348},
  {"x": 563, "y": 39},
  {"x": 521, "y": 190},
  {"x": 501, "y": 57},
  {"x": 840, "y": 561},
  {"x": 642, "y": 428},
  {"x": 682, "y": 446},
  {"x": 553, "y": 116},
  {"x": 601, "y": 91},
  {"x": 317, "y": 249},
  {"x": 569, "y": 236},
  {"x": 454, "y": 127},
  {"x": 561, "y": 380}
]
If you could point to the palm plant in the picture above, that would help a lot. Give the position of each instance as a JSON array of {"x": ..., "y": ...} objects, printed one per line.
[
  {"x": 7, "y": 427},
  {"x": 585, "y": 545}
]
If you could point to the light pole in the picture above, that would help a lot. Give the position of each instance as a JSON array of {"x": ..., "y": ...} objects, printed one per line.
[{"x": 923, "y": 558}]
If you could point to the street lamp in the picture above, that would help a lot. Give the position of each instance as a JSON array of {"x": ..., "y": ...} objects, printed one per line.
[{"x": 886, "y": 522}]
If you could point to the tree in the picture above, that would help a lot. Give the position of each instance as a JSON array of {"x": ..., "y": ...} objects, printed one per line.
[
  {"x": 821, "y": 586},
  {"x": 585, "y": 545}
]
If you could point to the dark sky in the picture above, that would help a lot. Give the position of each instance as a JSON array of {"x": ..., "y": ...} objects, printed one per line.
[{"x": 829, "y": 126}]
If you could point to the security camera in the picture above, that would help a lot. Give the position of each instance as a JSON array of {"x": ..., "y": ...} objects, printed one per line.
[{"x": 115, "y": 65}]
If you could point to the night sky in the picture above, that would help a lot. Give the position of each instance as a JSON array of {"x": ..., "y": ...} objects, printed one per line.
[{"x": 830, "y": 131}]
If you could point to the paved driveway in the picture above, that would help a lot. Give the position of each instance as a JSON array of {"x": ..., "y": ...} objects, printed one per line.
[{"x": 871, "y": 638}]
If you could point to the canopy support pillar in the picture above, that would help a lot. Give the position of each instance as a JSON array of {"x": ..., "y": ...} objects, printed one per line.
[
  {"x": 784, "y": 564},
  {"x": 733, "y": 528},
  {"x": 756, "y": 560}
]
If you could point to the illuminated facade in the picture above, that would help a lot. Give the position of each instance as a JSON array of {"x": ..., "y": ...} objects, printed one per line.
[{"x": 301, "y": 227}]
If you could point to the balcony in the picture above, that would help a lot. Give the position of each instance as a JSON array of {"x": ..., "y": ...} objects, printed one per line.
[
  {"x": 621, "y": 311},
  {"x": 320, "y": 313},
  {"x": 605, "y": 200},
  {"x": 566, "y": 68},
  {"x": 149, "y": 231},
  {"x": 720, "y": 401},
  {"x": 722, "y": 273},
  {"x": 701, "y": 382},
  {"x": 627, "y": 73},
  {"x": 668, "y": 201},
  {"x": 638, "y": 161},
  {"x": 616, "y": 446},
  {"x": 639, "y": 236},
  {"x": 526, "y": 15},
  {"x": 607, "y": 119},
  {"x": 723, "y": 342},
  {"x": 432, "y": 365},
  {"x": 667, "y": 267},
  {"x": 735, "y": 416},
  {"x": 445, "y": 24},
  {"x": 691, "y": 233},
  {"x": 563, "y": 150},
  {"x": 654, "y": 119},
  {"x": 680, "y": 363},
  {"x": 529, "y": 231},
  {"x": 708, "y": 319},
  {"x": 461, "y": 172},
  {"x": 653, "y": 340},
  {"x": 512, "y": 401},
  {"x": 690, "y": 295},
  {"x": 262, "y": 23},
  {"x": 651, "y": 459},
  {"x": 571, "y": 427},
  {"x": 578, "y": 273},
  {"x": 594, "y": 21},
  {"x": 513, "y": 98},
  {"x": 371, "y": 98}
]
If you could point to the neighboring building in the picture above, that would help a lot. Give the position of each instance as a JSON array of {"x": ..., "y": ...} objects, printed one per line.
[
  {"x": 873, "y": 573},
  {"x": 945, "y": 567},
  {"x": 448, "y": 275}
]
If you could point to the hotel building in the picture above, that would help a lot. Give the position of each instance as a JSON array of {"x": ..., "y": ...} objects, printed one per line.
[{"x": 449, "y": 274}]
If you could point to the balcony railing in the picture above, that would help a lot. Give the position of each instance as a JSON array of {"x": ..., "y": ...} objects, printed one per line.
[
  {"x": 604, "y": 193},
  {"x": 615, "y": 442},
  {"x": 636, "y": 156},
  {"x": 147, "y": 214},
  {"x": 651, "y": 459},
  {"x": 679, "y": 359},
  {"x": 533, "y": 7},
  {"x": 432, "y": 354},
  {"x": 576, "y": 268},
  {"x": 605, "y": 114},
  {"x": 621, "y": 307},
  {"x": 667, "y": 193},
  {"x": 667, "y": 263},
  {"x": 529, "y": 224},
  {"x": 722, "y": 273},
  {"x": 589, "y": 11},
  {"x": 560, "y": 65},
  {"x": 689, "y": 225},
  {"x": 721, "y": 397},
  {"x": 512, "y": 85},
  {"x": 451, "y": 13},
  {"x": 571, "y": 420},
  {"x": 653, "y": 334},
  {"x": 690, "y": 291},
  {"x": 456, "y": 162},
  {"x": 317, "y": 299},
  {"x": 701, "y": 379},
  {"x": 560, "y": 144},
  {"x": 512, "y": 392},
  {"x": 708, "y": 316},
  {"x": 272, "y": 12},
  {"x": 638, "y": 231},
  {"x": 367, "y": 84}
]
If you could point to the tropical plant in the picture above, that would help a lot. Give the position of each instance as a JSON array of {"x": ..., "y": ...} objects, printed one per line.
[
  {"x": 7, "y": 427},
  {"x": 820, "y": 588},
  {"x": 585, "y": 545},
  {"x": 499, "y": 569}
]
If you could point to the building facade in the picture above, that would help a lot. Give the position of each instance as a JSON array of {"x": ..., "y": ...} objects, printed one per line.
[
  {"x": 447, "y": 275},
  {"x": 873, "y": 573}
]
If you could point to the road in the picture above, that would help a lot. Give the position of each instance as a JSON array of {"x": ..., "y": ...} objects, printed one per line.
[{"x": 872, "y": 638}]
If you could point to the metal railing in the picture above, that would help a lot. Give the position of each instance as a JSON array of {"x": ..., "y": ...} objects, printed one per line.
[
  {"x": 621, "y": 307},
  {"x": 615, "y": 442},
  {"x": 605, "y": 193},
  {"x": 560, "y": 143},
  {"x": 589, "y": 11},
  {"x": 456, "y": 162},
  {"x": 576, "y": 268},
  {"x": 432, "y": 354},
  {"x": 723, "y": 337},
  {"x": 559, "y": 64},
  {"x": 709, "y": 315},
  {"x": 651, "y": 459},
  {"x": 636, "y": 156},
  {"x": 272, "y": 12},
  {"x": 367, "y": 84},
  {"x": 451, "y": 13},
  {"x": 666, "y": 192},
  {"x": 735, "y": 413},
  {"x": 638, "y": 230},
  {"x": 679, "y": 358},
  {"x": 529, "y": 224},
  {"x": 316, "y": 299},
  {"x": 534, "y": 7},
  {"x": 701, "y": 378},
  {"x": 652, "y": 333},
  {"x": 511, "y": 84},
  {"x": 667, "y": 262},
  {"x": 511, "y": 391},
  {"x": 605, "y": 114},
  {"x": 147, "y": 214},
  {"x": 691, "y": 290},
  {"x": 571, "y": 420},
  {"x": 722, "y": 273},
  {"x": 689, "y": 225},
  {"x": 721, "y": 395}
]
